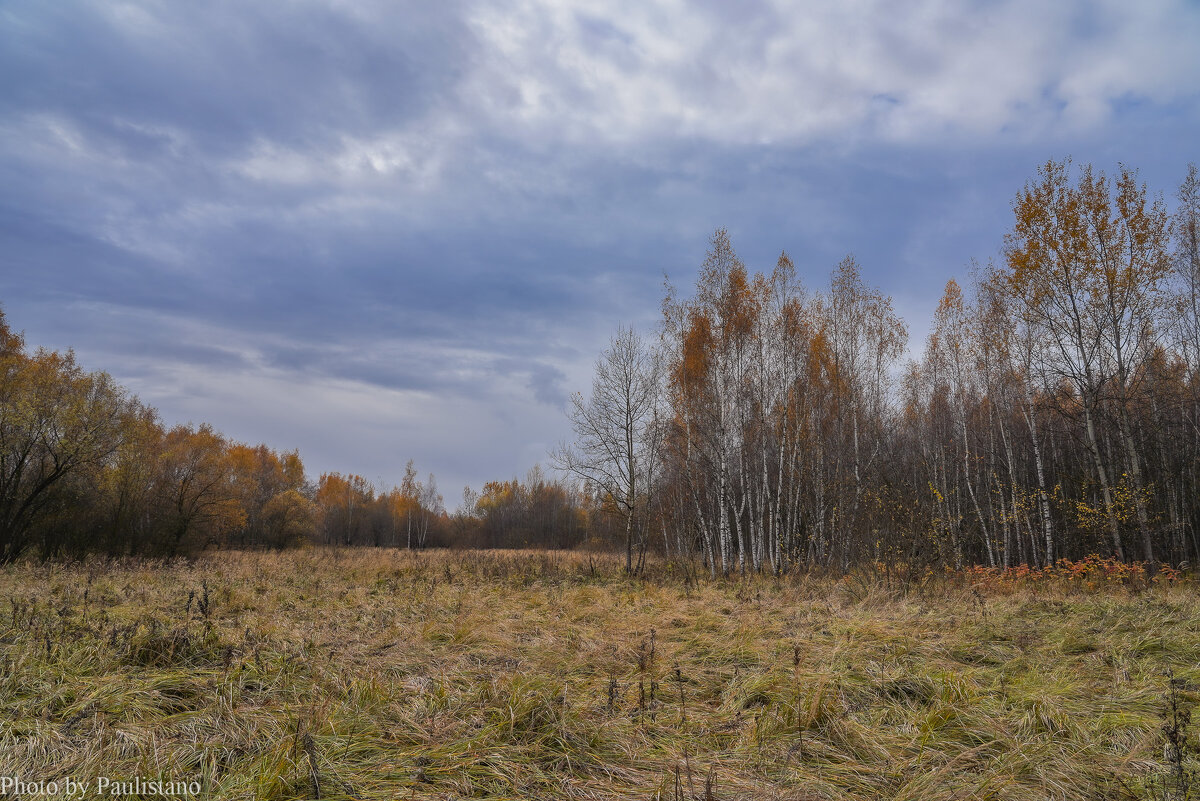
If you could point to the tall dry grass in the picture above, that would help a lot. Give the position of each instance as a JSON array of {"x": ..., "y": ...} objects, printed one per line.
[{"x": 376, "y": 674}]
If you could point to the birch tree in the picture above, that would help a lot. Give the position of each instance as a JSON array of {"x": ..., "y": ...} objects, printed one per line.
[
  {"x": 1087, "y": 267},
  {"x": 616, "y": 436}
]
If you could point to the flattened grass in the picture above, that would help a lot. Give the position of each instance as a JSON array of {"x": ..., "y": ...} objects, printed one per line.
[{"x": 382, "y": 674}]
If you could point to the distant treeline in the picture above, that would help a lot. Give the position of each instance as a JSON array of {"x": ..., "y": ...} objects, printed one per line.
[
  {"x": 86, "y": 467},
  {"x": 1054, "y": 413}
]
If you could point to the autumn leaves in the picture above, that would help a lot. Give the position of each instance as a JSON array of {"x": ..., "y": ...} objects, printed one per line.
[{"x": 1055, "y": 411}]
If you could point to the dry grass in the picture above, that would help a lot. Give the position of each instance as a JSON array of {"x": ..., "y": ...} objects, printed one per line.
[{"x": 382, "y": 674}]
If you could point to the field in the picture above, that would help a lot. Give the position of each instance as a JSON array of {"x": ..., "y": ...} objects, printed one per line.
[{"x": 381, "y": 674}]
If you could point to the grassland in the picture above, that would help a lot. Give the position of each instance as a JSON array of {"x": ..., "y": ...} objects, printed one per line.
[{"x": 381, "y": 674}]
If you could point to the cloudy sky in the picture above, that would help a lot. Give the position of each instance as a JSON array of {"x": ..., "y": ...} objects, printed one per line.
[{"x": 378, "y": 231}]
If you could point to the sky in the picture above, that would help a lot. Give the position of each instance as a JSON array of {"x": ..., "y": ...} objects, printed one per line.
[{"x": 382, "y": 231}]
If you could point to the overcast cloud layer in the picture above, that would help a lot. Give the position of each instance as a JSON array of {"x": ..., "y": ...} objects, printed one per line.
[{"x": 381, "y": 231}]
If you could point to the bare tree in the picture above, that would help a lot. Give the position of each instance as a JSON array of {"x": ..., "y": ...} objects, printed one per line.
[
  {"x": 616, "y": 438},
  {"x": 429, "y": 507}
]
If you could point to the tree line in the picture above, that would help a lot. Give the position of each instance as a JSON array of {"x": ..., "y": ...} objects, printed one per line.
[
  {"x": 1054, "y": 411},
  {"x": 85, "y": 467}
]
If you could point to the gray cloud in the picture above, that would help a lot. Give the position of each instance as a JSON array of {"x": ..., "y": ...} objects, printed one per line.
[{"x": 378, "y": 231}]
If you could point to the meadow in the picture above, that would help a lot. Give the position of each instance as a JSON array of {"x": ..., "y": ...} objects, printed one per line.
[{"x": 380, "y": 674}]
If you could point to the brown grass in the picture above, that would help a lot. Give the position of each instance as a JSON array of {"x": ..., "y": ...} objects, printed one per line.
[{"x": 380, "y": 674}]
